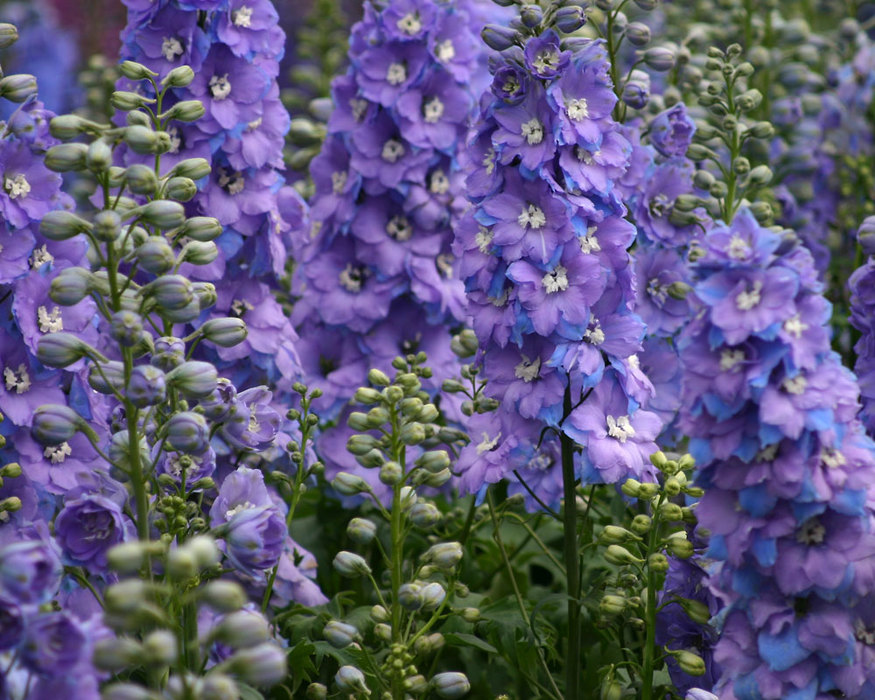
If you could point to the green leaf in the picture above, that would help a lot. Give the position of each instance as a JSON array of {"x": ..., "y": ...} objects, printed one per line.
[
  {"x": 460, "y": 639},
  {"x": 247, "y": 692}
]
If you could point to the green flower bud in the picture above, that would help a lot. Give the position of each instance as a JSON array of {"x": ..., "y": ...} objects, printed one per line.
[
  {"x": 185, "y": 111},
  {"x": 199, "y": 253},
  {"x": 641, "y": 524},
  {"x": 59, "y": 225},
  {"x": 433, "y": 595},
  {"x": 349, "y": 484},
  {"x": 61, "y": 349},
  {"x": 317, "y": 691},
  {"x": 659, "y": 58},
  {"x": 412, "y": 433},
  {"x": 8, "y": 35},
  {"x": 361, "y": 530},
  {"x": 612, "y": 604},
  {"x": 351, "y": 680},
  {"x": 378, "y": 378},
  {"x": 159, "y": 647},
  {"x": 616, "y": 554},
  {"x": 760, "y": 175},
  {"x": 181, "y": 564},
  {"x": 126, "y": 558},
  {"x": 410, "y": 596},
  {"x": 170, "y": 291},
  {"x": 194, "y": 379},
  {"x": 687, "y": 202},
  {"x": 340, "y": 634},
  {"x": 690, "y": 663},
  {"x": 107, "y": 225},
  {"x": 434, "y": 461},
  {"x": 366, "y": 395},
  {"x": 129, "y": 101},
  {"x": 416, "y": 684},
  {"x": 613, "y": 534},
  {"x": 703, "y": 179},
  {"x": 631, "y": 487},
  {"x": 141, "y": 139},
  {"x": 218, "y": 686},
  {"x": 672, "y": 486},
  {"x": 445, "y": 555},
  {"x": 242, "y": 629},
  {"x": 464, "y": 344},
  {"x": 637, "y": 33},
  {"x": 18, "y": 88},
  {"x": 117, "y": 653},
  {"x": 224, "y": 332},
  {"x": 351, "y": 565},
  {"x": 10, "y": 470},
  {"x": 66, "y": 157},
  {"x": 393, "y": 394},
  {"x": 204, "y": 550},
  {"x": 194, "y": 168},
  {"x": 379, "y": 614},
  {"x": 54, "y": 424},
  {"x": 648, "y": 491},
  {"x": 360, "y": 444},
  {"x": 451, "y": 685},
  {"x": 424, "y": 515},
  {"x": 141, "y": 179},
  {"x": 163, "y": 214},
  {"x": 261, "y": 665},
  {"x": 671, "y": 512},
  {"x": 371, "y": 460},
  {"x": 657, "y": 563},
  {"x": 181, "y": 76},
  {"x": 127, "y": 691},
  {"x": 224, "y": 596},
  {"x": 136, "y": 71},
  {"x": 680, "y": 548},
  {"x": 762, "y": 130},
  {"x": 358, "y": 421},
  {"x": 696, "y": 610},
  {"x": 180, "y": 189}
]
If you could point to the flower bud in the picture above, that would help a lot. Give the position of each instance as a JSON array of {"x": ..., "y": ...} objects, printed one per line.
[
  {"x": 671, "y": 512},
  {"x": 391, "y": 473},
  {"x": 141, "y": 139},
  {"x": 762, "y": 130},
  {"x": 569, "y": 19},
  {"x": 195, "y": 379},
  {"x": 188, "y": 432},
  {"x": 54, "y": 424},
  {"x": 8, "y": 35},
  {"x": 647, "y": 5},
  {"x": 181, "y": 76},
  {"x": 378, "y": 378},
  {"x": 117, "y": 653},
  {"x": 451, "y": 685},
  {"x": 351, "y": 680},
  {"x": 98, "y": 158},
  {"x": 366, "y": 395},
  {"x": 317, "y": 691},
  {"x": 659, "y": 58},
  {"x": 349, "y": 484},
  {"x": 59, "y": 225},
  {"x": 224, "y": 596},
  {"x": 339, "y": 634},
  {"x": 636, "y": 94},
  {"x": 424, "y": 515},
  {"x": 612, "y": 604},
  {"x": 361, "y": 530},
  {"x": 218, "y": 686},
  {"x": 465, "y": 344},
  {"x": 445, "y": 555},
  {"x": 690, "y": 663},
  {"x": 379, "y": 614},
  {"x": 637, "y": 33},
  {"x": 620, "y": 556},
  {"x": 169, "y": 353},
  {"x": 171, "y": 291},
  {"x": 434, "y": 461},
  {"x": 242, "y": 629},
  {"x": 185, "y": 111},
  {"x": 531, "y": 15},
  {"x": 194, "y": 168},
  {"x": 681, "y": 548},
  {"x": 351, "y": 565},
  {"x": 160, "y": 647},
  {"x": 412, "y": 433},
  {"x": 262, "y": 665},
  {"x": 147, "y": 386},
  {"x": 61, "y": 349},
  {"x": 106, "y": 376},
  {"x": 163, "y": 214},
  {"x": 361, "y": 444},
  {"x": 141, "y": 179},
  {"x": 200, "y": 253},
  {"x": 657, "y": 563},
  {"x": 18, "y": 88},
  {"x": 127, "y": 691},
  {"x": 433, "y": 595},
  {"x": 648, "y": 491},
  {"x": 498, "y": 37},
  {"x": 470, "y": 614},
  {"x": 415, "y": 684},
  {"x": 613, "y": 534},
  {"x": 438, "y": 479},
  {"x": 71, "y": 286},
  {"x": 180, "y": 189},
  {"x": 760, "y": 175},
  {"x": 201, "y": 228},
  {"x": 136, "y": 71},
  {"x": 410, "y": 596}
]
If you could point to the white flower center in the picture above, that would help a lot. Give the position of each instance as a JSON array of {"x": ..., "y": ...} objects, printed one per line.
[
  {"x": 832, "y": 457},
  {"x": 589, "y": 243},
  {"x": 396, "y": 73},
  {"x": 533, "y": 130},
  {"x": 433, "y": 110},
  {"x": 439, "y": 182},
  {"x": 486, "y": 444},
  {"x": 498, "y": 302},
  {"x": 795, "y": 385},
  {"x": 220, "y": 88},
  {"x": 795, "y": 327},
  {"x": 767, "y": 454},
  {"x": 171, "y": 48},
  {"x": 56, "y": 454},
  {"x": 444, "y": 264},
  {"x": 358, "y": 106},
  {"x": 489, "y": 161},
  {"x": 232, "y": 183},
  {"x": 49, "y": 322},
  {"x": 730, "y": 359},
  {"x": 656, "y": 291},
  {"x": 175, "y": 140},
  {"x": 528, "y": 370},
  {"x": 399, "y": 228},
  {"x": 40, "y": 257},
  {"x": 546, "y": 61},
  {"x": 594, "y": 335},
  {"x": 739, "y": 249},
  {"x": 17, "y": 186},
  {"x": 392, "y": 150},
  {"x": 410, "y": 24},
  {"x": 634, "y": 362},
  {"x": 577, "y": 109},
  {"x": 750, "y": 298},
  {"x": 338, "y": 181},
  {"x": 351, "y": 278},
  {"x": 483, "y": 239},
  {"x": 619, "y": 428},
  {"x": 864, "y": 634},
  {"x": 556, "y": 281},
  {"x": 586, "y": 157},
  {"x": 811, "y": 532},
  {"x": 532, "y": 217},
  {"x": 239, "y": 307},
  {"x": 254, "y": 124},
  {"x": 231, "y": 512},
  {"x": 17, "y": 380},
  {"x": 243, "y": 17},
  {"x": 445, "y": 51},
  {"x": 254, "y": 425}
]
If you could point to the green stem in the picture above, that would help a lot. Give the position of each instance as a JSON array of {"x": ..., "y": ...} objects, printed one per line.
[
  {"x": 572, "y": 560},
  {"x": 650, "y": 611}
]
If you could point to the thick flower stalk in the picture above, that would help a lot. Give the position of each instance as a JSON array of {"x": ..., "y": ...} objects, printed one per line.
[
  {"x": 771, "y": 415},
  {"x": 377, "y": 277}
]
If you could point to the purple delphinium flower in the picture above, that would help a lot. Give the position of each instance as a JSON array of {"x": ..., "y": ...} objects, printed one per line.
[
  {"x": 671, "y": 131},
  {"x": 89, "y": 526},
  {"x": 785, "y": 464}
]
